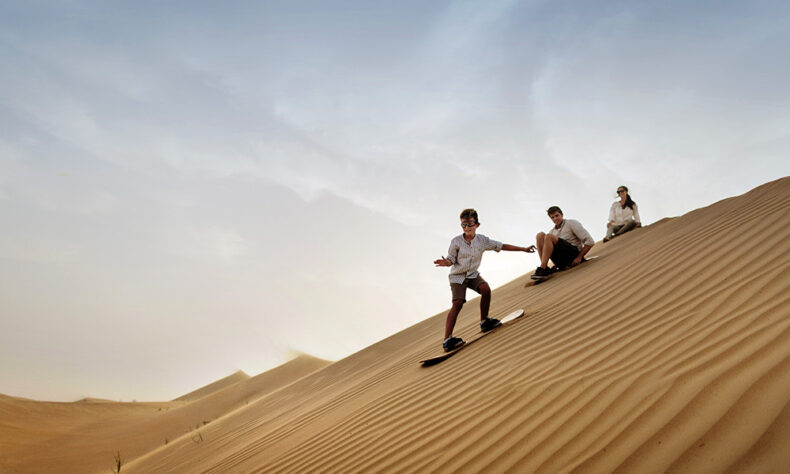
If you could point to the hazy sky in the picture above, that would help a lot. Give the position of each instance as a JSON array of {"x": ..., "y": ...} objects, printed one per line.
[{"x": 191, "y": 188}]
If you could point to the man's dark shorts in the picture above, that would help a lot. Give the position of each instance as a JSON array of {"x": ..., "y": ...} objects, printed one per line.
[
  {"x": 564, "y": 253},
  {"x": 459, "y": 289}
]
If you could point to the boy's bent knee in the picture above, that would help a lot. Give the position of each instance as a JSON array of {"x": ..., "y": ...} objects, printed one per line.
[{"x": 484, "y": 289}]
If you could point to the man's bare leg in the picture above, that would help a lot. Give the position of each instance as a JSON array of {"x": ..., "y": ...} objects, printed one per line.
[{"x": 548, "y": 248}]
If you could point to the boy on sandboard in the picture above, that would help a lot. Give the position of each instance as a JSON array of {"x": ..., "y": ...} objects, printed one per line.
[{"x": 464, "y": 256}]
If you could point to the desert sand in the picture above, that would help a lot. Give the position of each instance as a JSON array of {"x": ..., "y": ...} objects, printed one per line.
[
  {"x": 668, "y": 352},
  {"x": 85, "y": 436}
]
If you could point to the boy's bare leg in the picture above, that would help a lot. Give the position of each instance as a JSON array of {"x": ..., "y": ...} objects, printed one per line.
[
  {"x": 485, "y": 300},
  {"x": 449, "y": 324}
]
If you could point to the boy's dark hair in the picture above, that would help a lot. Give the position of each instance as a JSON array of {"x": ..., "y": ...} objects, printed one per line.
[
  {"x": 469, "y": 214},
  {"x": 554, "y": 209}
]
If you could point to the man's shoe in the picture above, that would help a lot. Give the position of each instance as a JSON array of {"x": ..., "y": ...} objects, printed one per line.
[
  {"x": 540, "y": 274},
  {"x": 452, "y": 343},
  {"x": 489, "y": 324}
]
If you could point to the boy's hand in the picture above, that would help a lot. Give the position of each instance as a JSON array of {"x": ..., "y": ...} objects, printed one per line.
[
  {"x": 516, "y": 248},
  {"x": 443, "y": 262}
]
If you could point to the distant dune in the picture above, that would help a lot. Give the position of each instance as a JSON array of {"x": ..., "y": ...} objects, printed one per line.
[
  {"x": 84, "y": 436},
  {"x": 234, "y": 378},
  {"x": 668, "y": 352}
]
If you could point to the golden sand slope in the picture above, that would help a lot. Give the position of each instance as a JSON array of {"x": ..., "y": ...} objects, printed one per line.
[
  {"x": 669, "y": 352},
  {"x": 238, "y": 376},
  {"x": 84, "y": 436}
]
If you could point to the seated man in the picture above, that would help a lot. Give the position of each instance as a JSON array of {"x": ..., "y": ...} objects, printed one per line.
[{"x": 566, "y": 244}]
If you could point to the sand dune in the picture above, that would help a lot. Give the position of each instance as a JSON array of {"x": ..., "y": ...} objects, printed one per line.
[
  {"x": 84, "y": 436},
  {"x": 220, "y": 384},
  {"x": 669, "y": 352}
]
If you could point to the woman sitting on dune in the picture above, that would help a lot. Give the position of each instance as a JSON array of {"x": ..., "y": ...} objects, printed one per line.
[{"x": 623, "y": 215}]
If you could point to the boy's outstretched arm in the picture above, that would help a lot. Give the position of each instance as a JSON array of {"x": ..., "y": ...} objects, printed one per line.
[
  {"x": 443, "y": 262},
  {"x": 516, "y": 248}
]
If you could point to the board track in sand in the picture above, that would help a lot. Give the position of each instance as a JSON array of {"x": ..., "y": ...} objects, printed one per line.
[{"x": 506, "y": 321}]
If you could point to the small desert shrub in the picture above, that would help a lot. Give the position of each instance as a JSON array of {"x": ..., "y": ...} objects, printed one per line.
[{"x": 118, "y": 462}]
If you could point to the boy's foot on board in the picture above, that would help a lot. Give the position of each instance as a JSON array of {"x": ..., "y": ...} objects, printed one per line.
[
  {"x": 452, "y": 343},
  {"x": 540, "y": 274},
  {"x": 489, "y": 324}
]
